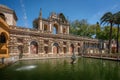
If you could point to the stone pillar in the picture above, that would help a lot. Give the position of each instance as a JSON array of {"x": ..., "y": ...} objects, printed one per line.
[
  {"x": 50, "y": 47},
  {"x": 67, "y": 29},
  {"x": 75, "y": 48},
  {"x": 50, "y": 29},
  {"x": 68, "y": 47},
  {"x": 41, "y": 46},
  {"x": 26, "y": 48},
  {"x": 61, "y": 31},
  {"x": 61, "y": 47},
  {"x": 40, "y": 25}
]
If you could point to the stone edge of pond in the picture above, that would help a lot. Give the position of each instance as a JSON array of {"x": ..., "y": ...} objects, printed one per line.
[
  {"x": 103, "y": 58},
  {"x": 42, "y": 58},
  {"x": 6, "y": 64}
]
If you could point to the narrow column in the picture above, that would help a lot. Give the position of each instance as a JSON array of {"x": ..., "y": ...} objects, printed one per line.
[{"x": 50, "y": 28}]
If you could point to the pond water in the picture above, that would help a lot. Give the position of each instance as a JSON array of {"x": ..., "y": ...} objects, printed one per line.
[{"x": 62, "y": 69}]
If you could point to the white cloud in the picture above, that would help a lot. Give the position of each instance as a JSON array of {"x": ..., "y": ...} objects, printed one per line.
[
  {"x": 96, "y": 17},
  {"x": 24, "y": 13},
  {"x": 114, "y": 7}
]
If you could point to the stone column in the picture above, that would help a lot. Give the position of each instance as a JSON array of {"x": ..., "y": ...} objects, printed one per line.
[
  {"x": 68, "y": 47},
  {"x": 25, "y": 48},
  {"x": 50, "y": 47},
  {"x": 61, "y": 47},
  {"x": 40, "y": 25},
  {"x": 61, "y": 31},
  {"x": 41, "y": 47},
  {"x": 67, "y": 29},
  {"x": 75, "y": 48}
]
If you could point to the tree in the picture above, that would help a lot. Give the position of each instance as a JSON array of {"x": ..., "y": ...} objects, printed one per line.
[
  {"x": 81, "y": 28},
  {"x": 98, "y": 31},
  {"x": 35, "y": 24},
  {"x": 109, "y": 19},
  {"x": 117, "y": 21}
]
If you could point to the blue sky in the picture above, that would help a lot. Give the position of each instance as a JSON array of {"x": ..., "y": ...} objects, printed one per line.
[{"x": 91, "y": 10}]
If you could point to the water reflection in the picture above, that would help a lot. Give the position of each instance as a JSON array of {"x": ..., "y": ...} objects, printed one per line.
[
  {"x": 26, "y": 68},
  {"x": 62, "y": 69}
]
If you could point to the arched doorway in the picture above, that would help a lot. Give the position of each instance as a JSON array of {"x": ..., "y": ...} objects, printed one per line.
[
  {"x": 2, "y": 16},
  {"x": 34, "y": 47},
  {"x": 55, "y": 48},
  {"x": 55, "y": 29},
  {"x": 3, "y": 38},
  {"x": 45, "y": 27},
  {"x": 71, "y": 48}
]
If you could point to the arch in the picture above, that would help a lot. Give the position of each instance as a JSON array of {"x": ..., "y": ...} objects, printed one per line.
[
  {"x": 71, "y": 48},
  {"x": 34, "y": 47},
  {"x": 2, "y": 16},
  {"x": 55, "y": 29},
  {"x": 55, "y": 48},
  {"x": 3, "y": 37},
  {"x": 45, "y": 27}
]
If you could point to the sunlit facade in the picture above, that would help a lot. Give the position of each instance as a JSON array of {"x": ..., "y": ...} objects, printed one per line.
[
  {"x": 4, "y": 37},
  {"x": 49, "y": 38}
]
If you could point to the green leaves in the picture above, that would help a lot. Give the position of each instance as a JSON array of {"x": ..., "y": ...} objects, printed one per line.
[{"x": 82, "y": 28}]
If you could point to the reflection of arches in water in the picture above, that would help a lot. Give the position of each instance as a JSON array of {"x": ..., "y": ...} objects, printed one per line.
[
  {"x": 3, "y": 37},
  {"x": 55, "y": 29},
  {"x": 78, "y": 50},
  {"x": 33, "y": 47},
  {"x": 20, "y": 48},
  {"x": 71, "y": 48},
  {"x": 55, "y": 48}
]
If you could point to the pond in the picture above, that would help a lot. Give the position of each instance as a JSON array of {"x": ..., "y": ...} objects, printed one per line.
[{"x": 62, "y": 69}]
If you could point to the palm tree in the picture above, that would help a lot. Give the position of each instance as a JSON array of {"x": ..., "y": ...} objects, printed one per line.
[
  {"x": 108, "y": 18},
  {"x": 117, "y": 21}
]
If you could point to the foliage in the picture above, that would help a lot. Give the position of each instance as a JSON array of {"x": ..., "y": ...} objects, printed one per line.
[
  {"x": 82, "y": 28},
  {"x": 35, "y": 24}
]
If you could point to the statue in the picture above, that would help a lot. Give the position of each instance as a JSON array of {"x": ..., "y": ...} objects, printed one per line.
[{"x": 73, "y": 58}]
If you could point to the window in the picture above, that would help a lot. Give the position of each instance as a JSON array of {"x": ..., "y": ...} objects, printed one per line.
[
  {"x": 45, "y": 27},
  {"x": 2, "y": 38},
  {"x": 55, "y": 29}
]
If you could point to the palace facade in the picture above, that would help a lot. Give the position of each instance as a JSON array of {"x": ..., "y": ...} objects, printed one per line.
[
  {"x": 4, "y": 37},
  {"x": 48, "y": 38}
]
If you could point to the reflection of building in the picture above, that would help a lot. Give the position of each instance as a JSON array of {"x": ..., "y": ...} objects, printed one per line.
[
  {"x": 4, "y": 37},
  {"x": 49, "y": 37}
]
